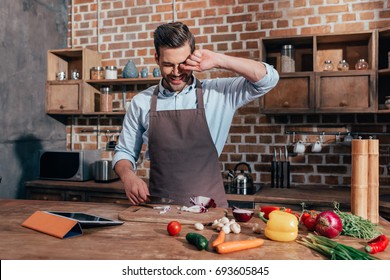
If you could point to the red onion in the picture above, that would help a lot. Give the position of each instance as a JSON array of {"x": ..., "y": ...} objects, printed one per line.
[{"x": 329, "y": 224}]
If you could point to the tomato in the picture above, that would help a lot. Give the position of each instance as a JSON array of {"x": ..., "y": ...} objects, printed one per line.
[
  {"x": 310, "y": 222},
  {"x": 174, "y": 228}
]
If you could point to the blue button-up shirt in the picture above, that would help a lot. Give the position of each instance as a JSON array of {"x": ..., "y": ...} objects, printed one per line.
[{"x": 222, "y": 97}]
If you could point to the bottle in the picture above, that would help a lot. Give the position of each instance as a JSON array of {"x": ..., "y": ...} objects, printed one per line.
[
  {"x": 343, "y": 65},
  {"x": 287, "y": 59},
  {"x": 361, "y": 65},
  {"x": 105, "y": 99},
  {"x": 328, "y": 65}
]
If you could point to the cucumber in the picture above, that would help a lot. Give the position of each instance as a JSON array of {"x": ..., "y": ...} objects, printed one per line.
[{"x": 198, "y": 240}]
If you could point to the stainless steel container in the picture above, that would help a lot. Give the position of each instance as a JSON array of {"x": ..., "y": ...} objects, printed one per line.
[{"x": 103, "y": 171}]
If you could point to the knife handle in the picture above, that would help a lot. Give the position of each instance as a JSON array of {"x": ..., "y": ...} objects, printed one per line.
[
  {"x": 281, "y": 172},
  {"x": 287, "y": 173},
  {"x": 273, "y": 173}
]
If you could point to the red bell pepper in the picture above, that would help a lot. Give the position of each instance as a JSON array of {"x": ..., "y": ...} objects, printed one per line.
[{"x": 268, "y": 209}]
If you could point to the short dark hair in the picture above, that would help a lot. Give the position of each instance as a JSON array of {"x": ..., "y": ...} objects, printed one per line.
[{"x": 173, "y": 35}]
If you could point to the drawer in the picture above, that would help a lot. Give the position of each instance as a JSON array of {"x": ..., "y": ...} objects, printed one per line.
[
  {"x": 107, "y": 198},
  {"x": 292, "y": 94},
  {"x": 45, "y": 194}
]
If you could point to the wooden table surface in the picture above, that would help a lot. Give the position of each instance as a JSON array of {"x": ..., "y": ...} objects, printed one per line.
[{"x": 132, "y": 240}]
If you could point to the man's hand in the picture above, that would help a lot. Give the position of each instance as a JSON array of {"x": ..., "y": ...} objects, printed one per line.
[
  {"x": 136, "y": 189},
  {"x": 200, "y": 60}
]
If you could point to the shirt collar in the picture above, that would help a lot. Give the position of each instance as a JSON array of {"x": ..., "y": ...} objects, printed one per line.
[{"x": 165, "y": 93}]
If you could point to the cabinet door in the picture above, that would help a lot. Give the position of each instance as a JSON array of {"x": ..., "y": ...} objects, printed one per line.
[
  {"x": 352, "y": 91},
  {"x": 63, "y": 97},
  {"x": 292, "y": 94}
]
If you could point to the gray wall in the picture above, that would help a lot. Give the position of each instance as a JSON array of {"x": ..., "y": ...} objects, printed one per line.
[{"x": 28, "y": 28}]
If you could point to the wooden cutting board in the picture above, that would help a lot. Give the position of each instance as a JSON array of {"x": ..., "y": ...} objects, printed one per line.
[{"x": 146, "y": 214}]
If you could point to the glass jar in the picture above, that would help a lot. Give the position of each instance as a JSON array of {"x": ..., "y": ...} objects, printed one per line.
[
  {"x": 328, "y": 65},
  {"x": 343, "y": 65},
  {"x": 105, "y": 99},
  {"x": 111, "y": 72},
  {"x": 361, "y": 65},
  {"x": 97, "y": 73},
  {"x": 287, "y": 59}
]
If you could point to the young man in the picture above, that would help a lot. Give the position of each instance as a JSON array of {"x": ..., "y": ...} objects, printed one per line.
[{"x": 185, "y": 122}]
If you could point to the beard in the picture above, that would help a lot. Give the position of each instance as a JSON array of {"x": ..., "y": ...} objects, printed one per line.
[{"x": 177, "y": 83}]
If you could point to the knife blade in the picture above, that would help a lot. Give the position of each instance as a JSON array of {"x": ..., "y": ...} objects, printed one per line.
[{"x": 153, "y": 199}]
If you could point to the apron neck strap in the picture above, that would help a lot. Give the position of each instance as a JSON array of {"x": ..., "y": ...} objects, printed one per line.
[{"x": 199, "y": 96}]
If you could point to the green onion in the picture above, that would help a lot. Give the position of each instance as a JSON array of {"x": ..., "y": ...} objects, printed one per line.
[
  {"x": 332, "y": 249},
  {"x": 356, "y": 226}
]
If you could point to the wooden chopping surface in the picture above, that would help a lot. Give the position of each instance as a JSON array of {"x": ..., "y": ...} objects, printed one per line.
[{"x": 150, "y": 215}]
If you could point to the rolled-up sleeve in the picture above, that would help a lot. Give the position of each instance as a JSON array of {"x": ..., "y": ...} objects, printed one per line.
[{"x": 269, "y": 81}]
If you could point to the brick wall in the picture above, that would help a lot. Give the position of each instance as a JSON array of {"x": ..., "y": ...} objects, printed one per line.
[{"x": 122, "y": 30}]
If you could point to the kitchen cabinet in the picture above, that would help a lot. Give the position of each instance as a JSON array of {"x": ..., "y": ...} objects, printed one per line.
[
  {"x": 383, "y": 68},
  {"x": 82, "y": 96},
  {"x": 70, "y": 96},
  {"x": 89, "y": 191},
  {"x": 310, "y": 89}
]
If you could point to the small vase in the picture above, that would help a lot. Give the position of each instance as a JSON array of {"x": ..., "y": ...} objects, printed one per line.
[{"x": 130, "y": 70}]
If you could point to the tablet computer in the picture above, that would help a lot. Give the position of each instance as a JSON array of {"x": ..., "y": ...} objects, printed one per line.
[{"x": 87, "y": 220}]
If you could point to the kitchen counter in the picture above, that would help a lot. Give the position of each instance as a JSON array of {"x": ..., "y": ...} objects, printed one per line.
[
  {"x": 133, "y": 240},
  {"x": 315, "y": 197}
]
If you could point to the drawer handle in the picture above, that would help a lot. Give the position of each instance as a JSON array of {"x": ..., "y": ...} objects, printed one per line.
[
  {"x": 75, "y": 198},
  {"x": 62, "y": 107},
  {"x": 286, "y": 104}
]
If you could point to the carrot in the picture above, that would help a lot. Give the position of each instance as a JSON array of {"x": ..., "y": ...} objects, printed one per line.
[
  {"x": 233, "y": 246},
  {"x": 220, "y": 238}
]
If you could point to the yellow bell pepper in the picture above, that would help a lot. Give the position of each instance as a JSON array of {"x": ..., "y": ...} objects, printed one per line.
[{"x": 281, "y": 226}]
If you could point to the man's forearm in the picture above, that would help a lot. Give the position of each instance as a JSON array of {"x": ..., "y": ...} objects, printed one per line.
[
  {"x": 250, "y": 69},
  {"x": 124, "y": 168}
]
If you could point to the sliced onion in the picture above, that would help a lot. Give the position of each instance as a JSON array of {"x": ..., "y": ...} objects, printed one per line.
[
  {"x": 194, "y": 209},
  {"x": 242, "y": 215},
  {"x": 204, "y": 201}
]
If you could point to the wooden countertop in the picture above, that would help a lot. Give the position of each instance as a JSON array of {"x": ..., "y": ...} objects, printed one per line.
[
  {"x": 132, "y": 240},
  {"x": 316, "y": 197}
]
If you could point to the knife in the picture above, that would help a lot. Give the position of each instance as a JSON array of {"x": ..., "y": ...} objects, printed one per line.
[
  {"x": 153, "y": 199},
  {"x": 286, "y": 168}
]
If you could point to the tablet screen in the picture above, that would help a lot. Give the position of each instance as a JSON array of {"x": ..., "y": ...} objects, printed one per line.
[{"x": 87, "y": 220}]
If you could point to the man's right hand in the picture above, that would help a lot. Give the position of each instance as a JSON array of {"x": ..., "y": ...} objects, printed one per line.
[{"x": 136, "y": 189}]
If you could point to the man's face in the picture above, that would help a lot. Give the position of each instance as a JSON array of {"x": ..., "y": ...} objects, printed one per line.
[{"x": 174, "y": 78}]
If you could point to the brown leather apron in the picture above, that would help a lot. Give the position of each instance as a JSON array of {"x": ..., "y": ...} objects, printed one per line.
[{"x": 183, "y": 158}]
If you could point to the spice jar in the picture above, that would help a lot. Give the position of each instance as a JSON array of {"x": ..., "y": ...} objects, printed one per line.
[
  {"x": 361, "y": 65},
  {"x": 97, "y": 73},
  {"x": 105, "y": 99},
  {"x": 111, "y": 72},
  {"x": 328, "y": 65},
  {"x": 343, "y": 65},
  {"x": 387, "y": 102},
  {"x": 287, "y": 59}
]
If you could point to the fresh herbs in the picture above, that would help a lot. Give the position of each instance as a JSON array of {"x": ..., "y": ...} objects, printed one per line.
[
  {"x": 356, "y": 226},
  {"x": 332, "y": 249}
]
